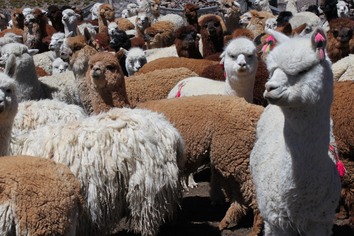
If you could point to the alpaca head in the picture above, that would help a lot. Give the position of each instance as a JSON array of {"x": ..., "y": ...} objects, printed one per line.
[
  {"x": 300, "y": 72},
  {"x": 71, "y": 45},
  {"x": 155, "y": 7},
  {"x": 112, "y": 28},
  {"x": 8, "y": 98},
  {"x": 342, "y": 9},
  {"x": 94, "y": 10},
  {"x": 240, "y": 58},
  {"x": 56, "y": 41},
  {"x": 245, "y": 18},
  {"x": 142, "y": 21},
  {"x": 271, "y": 23},
  {"x": 132, "y": 9},
  {"x": 260, "y": 4},
  {"x": 70, "y": 17},
  {"x": 104, "y": 70},
  {"x": 17, "y": 17},
  {"x": 59, "y": 66},
  {"x": 341, "y": 29},
  {"x": 186, "y": 38},
  {"x": 135, "y": 59},
  {"x": 190, "y": 11},
  {"x": 229, "y": 7},
  {"x": 119, "y": 39},
  {"x": 106, "y": 12},
  {"x": 211, "y": 26}
]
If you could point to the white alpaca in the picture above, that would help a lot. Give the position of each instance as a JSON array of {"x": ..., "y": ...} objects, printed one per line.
[
  {"x": 94, "y": 10},
  {"x": 342, "y": 9},
  {"x": 135, "y": 59},
  {"x": 70, "y": 20},
  {"x": 56, "y": 41},
  {"x": 271, "y": 23},
  {"x": 291, "y": 5},
  {"x": 240, "y": 64},
  {"x": 8, "y": 110},
  {"x": 128, "y": 163},
  {"x": 59, "y": 66},
  {"x": 297, "y": 184},
  {"x": 19, "y": 65},
  {"x": 112, "y": 28},
  {"x": 262, "y": 5}
]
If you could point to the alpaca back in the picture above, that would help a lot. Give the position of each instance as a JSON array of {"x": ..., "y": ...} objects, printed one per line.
[{"x": 297, "y": 184}]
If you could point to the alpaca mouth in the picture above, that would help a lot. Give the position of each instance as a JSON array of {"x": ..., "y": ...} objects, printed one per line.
[{"x": 274, "y": 96}]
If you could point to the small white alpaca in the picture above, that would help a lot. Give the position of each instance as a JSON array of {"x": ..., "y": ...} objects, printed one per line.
[
  {"x": 271, "y": 23},
  {"x": 56, "y": 41},
  {"x": 342, "y": 9},
  {"x": 59, "y": 66},
  {"x": 240, "y": 64},
  {"x": 94, "y": 10},
  {"x": 297, "y": 184},
  {"x": 8, "y": 111},
  {"x": 135, "y": 59},
  {"x": 70, "y": 20}
]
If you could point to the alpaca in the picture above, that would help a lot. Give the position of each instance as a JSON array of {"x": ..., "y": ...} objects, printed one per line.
[
  {"x": 142, "y": 21},
  {"x": 55, "y": 15},
  {"x": 190, "y": 12},
  {"x": 297, "y": 184},
  {"x": 9, "y": 107},
  {"x": 311, "y": 19},
  {"x": 18, "y": 20},
  {"x": 105, "y": 16},
  {"x": 340, "y": 38},
  {"x": 19, "y": 65},
  {"x": 187, "y": 42},
  {"x": 155, "y": 9},
  {"x": 231, "y": 12},
  {"x": 160, "y": 34},
  {"x": 95, "y": 10},
  {"x": 59, "y": 66},
  {"x": 342, "y": 9},
  {"x": 262, "y": 5},
  {"x": 240, "y": 64},
  {"x": 55, "y": 43},
  {"x": 37, "y": 31},
  {"x": 212, "y": 34},
  {"x": 128, "y": 163},
  {"x": 104, "y": 85},
  {"x": 135, "y": 59},
  {"x": 257, "y": 21},
  {"x": 70, "y": 21}
]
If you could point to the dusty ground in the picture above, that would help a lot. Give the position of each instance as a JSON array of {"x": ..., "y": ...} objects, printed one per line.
[{"x": 199, "y": 218}]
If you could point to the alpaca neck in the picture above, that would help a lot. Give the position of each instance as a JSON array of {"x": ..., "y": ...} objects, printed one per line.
[
  {"x": 240, "y": 86},
  {"x": 5, "y": 137},
  {"x": 71, "y": 28}
]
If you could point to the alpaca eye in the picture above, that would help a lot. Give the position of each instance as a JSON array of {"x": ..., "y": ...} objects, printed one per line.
[
  {"x": 216, "y": 24},
  {"x": 110, "y": 67},
  {"x": 8, "y": 90}
]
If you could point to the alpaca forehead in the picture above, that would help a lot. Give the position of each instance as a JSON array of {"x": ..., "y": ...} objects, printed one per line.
[
  {"x": 301, "y": 56},
  {"x": 241, "y": 45}
]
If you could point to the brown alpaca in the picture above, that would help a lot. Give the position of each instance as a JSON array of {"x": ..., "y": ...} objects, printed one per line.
[
  {"x": 340, "y": 38},
  {"x": 159, "y": 34},
  {"x": 18, "y": 21},
  {"x": 212, "y": 33},
  {"x": 54, "y": 13},
  {"x": 105, "y": 16},
  {"x": 231, "y": 13},
  {"x": 190, "y": 12},
  {"x": 155, "y": 8},
  {"x": 37, "y": 31},
  {"x": 142, "y": 21},
  {"x": 187, "y": 42},
  {"x": 104, "y": 85}
]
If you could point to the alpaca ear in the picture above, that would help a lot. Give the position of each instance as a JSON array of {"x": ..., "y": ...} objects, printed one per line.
[
  {"x": 279, "y": 37},
  {"x": 10, "y": 66},
  {"x": 33, "y": 51},
  {"x": 319, "y": 42},
  {"x": 236, "y": 4}
]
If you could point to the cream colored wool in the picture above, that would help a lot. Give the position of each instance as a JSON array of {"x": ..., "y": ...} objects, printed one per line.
[{"x": 127, "y": 161}]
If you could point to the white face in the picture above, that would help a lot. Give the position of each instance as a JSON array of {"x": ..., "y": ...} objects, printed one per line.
[
  {"x": 342, "y": 9},
  {"x": 296, "y": 74}
]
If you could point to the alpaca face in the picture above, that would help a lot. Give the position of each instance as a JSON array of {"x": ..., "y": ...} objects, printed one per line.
[
  {"x": 95, "y": 10},
  {"x": 8, "y": 98},
  {"x": 271, "y": 23},
  {"x": 342, "y": 34},
  {"x": 188, "y": 38},
  {"x": 342, "y": 9},
  {"x": 229, "y": 7},
  {"x": 212, "y": 28},
  {"x": 59, "y": 66},
  {"x": 17, "y": 18},
  {"x": 69, "y": 17},
  {"x": 107, "y": 12},
  {"x": 245, "y": 19},
  {"x": 142, "y": 21},
  {"x": 136, "y": 58},
  {"x": 56, "y": 41},
  {"x": 298, "y": 78},
  {"x": 240, "y": 58},
  {"x": 103, "y": 70}
]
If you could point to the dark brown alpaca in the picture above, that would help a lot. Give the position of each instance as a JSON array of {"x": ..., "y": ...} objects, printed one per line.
[
  {"x": 190, "y": 12},
  {"x": 187, "y": 42}
]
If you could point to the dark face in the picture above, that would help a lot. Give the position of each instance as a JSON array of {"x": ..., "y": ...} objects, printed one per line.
[
  {"x": 343, "y": 34},
  {"x": 212, "y": 27}
]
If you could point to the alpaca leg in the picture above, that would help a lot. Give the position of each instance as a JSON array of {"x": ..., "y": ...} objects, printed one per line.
[
  {"x": 216, "y": 194},
  {"x": 257, "y": 224},
  {"x": 235, "y": 212},
  {"x": 191, "y": 182}
]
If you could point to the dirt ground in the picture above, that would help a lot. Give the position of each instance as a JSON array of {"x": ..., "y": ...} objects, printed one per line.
[{"x": 198, "y": 217}]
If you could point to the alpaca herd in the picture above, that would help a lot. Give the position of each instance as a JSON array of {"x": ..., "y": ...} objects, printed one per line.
[{"x": 107, "y": 119}]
